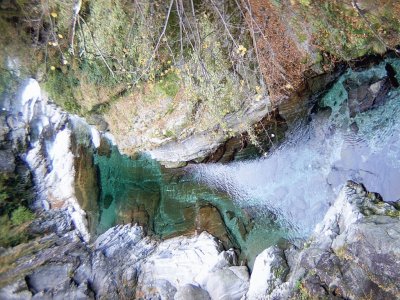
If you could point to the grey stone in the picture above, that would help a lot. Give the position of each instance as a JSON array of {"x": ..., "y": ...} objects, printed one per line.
[
  {"x": 49, "y": 277},
  {"x": 190, "y": 291},
  {"x": 7, "y": 161},
  {"x": 57, "y": 221}
]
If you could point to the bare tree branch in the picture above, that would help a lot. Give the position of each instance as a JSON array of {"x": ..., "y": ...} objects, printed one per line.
[
  {"x": 98, "y": 49},
  {"x": 76, "y": 9},
  {"x": 362, "y": 15}
]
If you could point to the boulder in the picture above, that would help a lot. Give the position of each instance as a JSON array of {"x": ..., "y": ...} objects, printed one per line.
[
  {"x": 269, "y": 271},
  {"x": 190, "y": 291},
  {"x": 198, "y": 261}
]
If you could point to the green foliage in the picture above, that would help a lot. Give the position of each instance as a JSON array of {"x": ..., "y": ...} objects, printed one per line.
[
  {"x": 5, "y": 80},
  {"x": 13, "y": 192},
  {"x": 12, "y": 234},
  {"x": 21, "y": 215},
  {"x": 340, "y": 30},
  {"x": 305, "y": 2},
  {"x": 14, "y": 196},
  {"x": 96, "y": 72},
  {"x": 61, "y": 88},
  {"x": 170, "y": 84}
]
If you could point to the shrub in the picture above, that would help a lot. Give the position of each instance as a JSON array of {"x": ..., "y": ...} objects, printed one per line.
[{"x": 21, "y": 215}]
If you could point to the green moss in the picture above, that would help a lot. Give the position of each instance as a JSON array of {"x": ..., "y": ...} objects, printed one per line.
[
  {"x": 15, "y": 195},
  {"x": 61, "y": 89},
  {"x": 6, "y": 79},
  {"x": 96, "y": 72},
  {"x": 170, "y": 85},
  {"x": 13, "y": 231},
  {"x": 169, "y": 133},
  {"x": 279, "y": 272},
  {"x": 340, "y": 30},
  {"x": 393, "y": 213},
  {"x": 302, "y": 37},
  {"x": 305, "y": 2}
]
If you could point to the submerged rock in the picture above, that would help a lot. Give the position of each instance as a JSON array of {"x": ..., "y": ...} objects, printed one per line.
[{"x": 354, "y": 252}]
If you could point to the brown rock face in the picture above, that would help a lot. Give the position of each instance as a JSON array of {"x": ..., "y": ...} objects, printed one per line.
[
  {"x": 209, "y": 219},
  {"x": 86, "y": 185}
]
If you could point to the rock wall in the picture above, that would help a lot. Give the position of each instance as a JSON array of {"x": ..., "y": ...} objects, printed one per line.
[
  {"x": 50, "y": 142},
  {"x": 353, "y": 254},
  {"x": 121, "y": 263}
]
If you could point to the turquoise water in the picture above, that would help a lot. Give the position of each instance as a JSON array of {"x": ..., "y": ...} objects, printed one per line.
[{"x": 167, "y": 202}]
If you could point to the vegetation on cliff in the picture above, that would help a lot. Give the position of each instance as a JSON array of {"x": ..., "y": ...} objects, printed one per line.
[
  {"x": 156, "y": 71},
  {"x": 14, "y": 216}
]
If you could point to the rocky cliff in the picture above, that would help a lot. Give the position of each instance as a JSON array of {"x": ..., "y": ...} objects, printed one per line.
[
  {"x": 353, "y": 254},
  {"x": 178, "y": 79}
]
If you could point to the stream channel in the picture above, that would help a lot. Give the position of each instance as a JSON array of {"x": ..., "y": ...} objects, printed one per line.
[{"x": 352, "y": 133}]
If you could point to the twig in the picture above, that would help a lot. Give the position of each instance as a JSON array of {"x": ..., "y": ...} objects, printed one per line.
[
  {"x": 223, "y": 22},
  {"x": 164, "y": 28},
  {"x": 362, "y": 15},
  {"x": 97, "y": 48}
]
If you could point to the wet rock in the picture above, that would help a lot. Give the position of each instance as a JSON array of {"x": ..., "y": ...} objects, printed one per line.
[
  {"x": 98, "y": 121},
  {"x": 137, "y": 214},
  {"x": 354, "y": 252},
  {"x": 363, "y": 96},
  {"x": 86, "y": 184},
  {"x": 391, "y": 73},
  {"x": 4, "y": 129},
  {"x": 269, "y": 131},
  {"x": 104, "y": 148},
  {"x": 209, "y": 219}
]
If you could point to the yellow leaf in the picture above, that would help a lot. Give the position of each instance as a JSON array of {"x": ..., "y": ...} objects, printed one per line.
[
  {"x": 54, "y": 14},
  {"x": 288, "y": 86},
  {"x": 52, "y": 68},
  {"x": 60, "y": 36}
]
